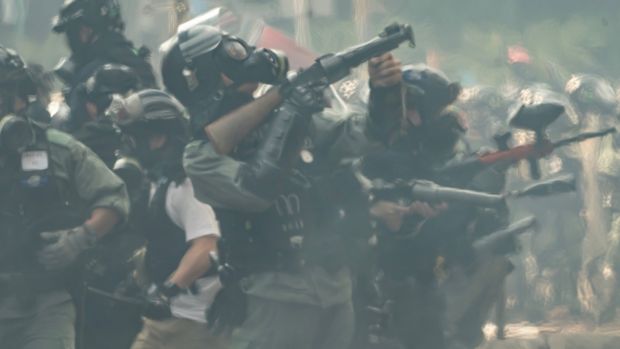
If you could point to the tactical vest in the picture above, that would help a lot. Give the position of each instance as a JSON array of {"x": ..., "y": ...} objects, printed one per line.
[
  {"x": 269, "y": 240},
  {"x": 166, "y": 243},
  {"x": 32, "y": 200},
  {"x": 304, "y": 226}
]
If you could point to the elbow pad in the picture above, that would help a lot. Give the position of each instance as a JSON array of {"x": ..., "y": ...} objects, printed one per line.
[{"x": 266, "y": 174}]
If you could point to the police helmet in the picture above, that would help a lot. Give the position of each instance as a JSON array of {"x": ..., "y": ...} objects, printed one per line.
[
  {"x": 15, "y": 80},
  {"x": 101, "y": 15},
  {"x": 187, "y": 63},
  {"x": 149, "y": 111},
  {"x": 591, "y": 93},
  {"x": 194, "y": 59},
  {"x": 14, "y": 73},
  {"x": 108, "y": 80},
  {"x": 428, "y": 90}
]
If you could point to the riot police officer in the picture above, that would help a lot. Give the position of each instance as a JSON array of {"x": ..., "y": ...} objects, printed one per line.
[
  {"x": 181, "y": 232},
  {"x": 97, "y": 131},
  {"x": 428, "y": 137},
  {"x": 273, "y": 214},
  {"x": 104, "y": 324},
  {"x": 58, "y": 199},
  {"x": 94, "y": 34}
]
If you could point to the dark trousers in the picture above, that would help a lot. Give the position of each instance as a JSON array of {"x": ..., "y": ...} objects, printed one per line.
[{"x": 50, "y": 328}]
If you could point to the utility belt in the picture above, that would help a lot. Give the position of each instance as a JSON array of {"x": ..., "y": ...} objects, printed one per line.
[
  {"x": 229, "y": 309},
  {"x": 257, "y": 243},
  {"x": 291, "y": 262},
  {"x": 249, "y": 254},
  {"x": 249, "y": 259}
]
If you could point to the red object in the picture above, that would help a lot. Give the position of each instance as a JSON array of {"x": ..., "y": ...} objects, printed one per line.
[
  {"x": 518, "y": 54},
  {"x": 299, "y": 57},
  {"x": 522, "y": 152}
]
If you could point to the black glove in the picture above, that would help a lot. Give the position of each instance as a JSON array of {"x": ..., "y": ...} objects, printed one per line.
[
  {"x": 158, "y": 300},
  {"x": 229, "y": 308},
  {"x": 270, "y": 173},
  {"x": 307, "y": 99}
]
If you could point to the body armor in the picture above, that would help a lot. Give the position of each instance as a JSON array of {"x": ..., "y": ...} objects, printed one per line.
[
  {"x": 312, "y": 224},
  {"x": 33, "y": 200},
  {"x": 270, "y": 240},
  {"x": 166, "y": 243}
]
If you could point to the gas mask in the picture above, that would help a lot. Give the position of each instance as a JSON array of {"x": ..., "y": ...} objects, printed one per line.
[
  {"x": 244, "y": 63},
  {"x": 101, "y": 101},
  {"x": 442, "y": 133},
  {"x": 165, "y": 161},
  {"x": 15, "y": 134},
  {"x": 436, "y": 136},
  {"x": 15, "y": 131},
  {"x": 82, "y": 51},
  {"x": 137, "y": 147}
]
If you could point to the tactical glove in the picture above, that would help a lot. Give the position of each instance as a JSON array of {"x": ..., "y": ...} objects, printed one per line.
[
  {"x": 307, "y": 99},
  {"x": 64, "y": 246},
  {"x": 158, "y": 299}
]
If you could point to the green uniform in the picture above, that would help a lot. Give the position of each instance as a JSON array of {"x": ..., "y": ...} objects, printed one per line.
[
  {"x": 310, "y": 308},
  {"x": 46, "y": 320}
]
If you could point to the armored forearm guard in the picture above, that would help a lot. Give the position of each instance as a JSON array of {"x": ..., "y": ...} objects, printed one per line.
[
  {"x": 266, "y": 174},
  {"x": 385, "y": 108}
]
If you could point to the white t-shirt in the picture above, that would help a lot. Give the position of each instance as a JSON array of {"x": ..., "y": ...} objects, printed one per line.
[{"x": 197, "y": 219}]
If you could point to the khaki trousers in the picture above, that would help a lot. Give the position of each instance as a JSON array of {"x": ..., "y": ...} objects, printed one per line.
[{"x": 176, "y": 334}]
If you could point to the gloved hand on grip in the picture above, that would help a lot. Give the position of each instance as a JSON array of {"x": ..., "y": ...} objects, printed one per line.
[
  {"x": 158, "y": 301},
  {"x": 280, "y": 144},
  {"x": 64, "y": 246},
  {"x": 308, "y": 99}
]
